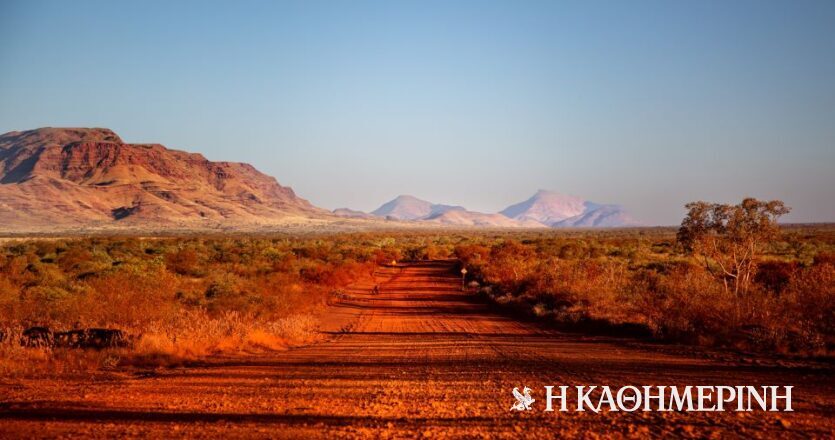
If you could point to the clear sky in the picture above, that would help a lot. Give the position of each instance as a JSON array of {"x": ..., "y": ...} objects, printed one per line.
[{"x": 478, "y": 103}]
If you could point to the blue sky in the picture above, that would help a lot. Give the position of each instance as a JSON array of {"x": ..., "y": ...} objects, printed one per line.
[{"x": 478, "y": 103}]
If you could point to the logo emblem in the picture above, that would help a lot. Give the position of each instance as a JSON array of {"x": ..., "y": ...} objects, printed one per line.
[{"x": 523, "y": 401}]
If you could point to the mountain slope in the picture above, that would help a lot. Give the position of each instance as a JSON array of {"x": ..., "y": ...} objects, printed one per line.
[
  {"x": 411, "y": 208},
  {"x": 603, "y": 216},
  {"x": 462, "y": 217},
  {"x": 352, "y": 213},
  {"x": 89, "y": 176},
  {"x": 543, "y": 209},
  {"x": 407, "y": 207},
  {"x": 546, "y": 207},
  {"x": 559, "y": 210}
]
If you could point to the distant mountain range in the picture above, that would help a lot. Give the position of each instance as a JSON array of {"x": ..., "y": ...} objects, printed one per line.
[
  {"x": 543, "y": 209},
  {"x": 67, "y": 179}
]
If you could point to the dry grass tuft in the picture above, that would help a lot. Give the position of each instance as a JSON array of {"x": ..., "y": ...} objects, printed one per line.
[{"x": 193, "y": 334}]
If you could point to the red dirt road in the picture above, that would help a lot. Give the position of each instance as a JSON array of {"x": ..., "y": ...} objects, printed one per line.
[{"x": 418, "y": 359}]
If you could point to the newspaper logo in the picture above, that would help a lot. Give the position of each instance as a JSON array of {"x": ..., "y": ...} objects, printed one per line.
[{"x": 523, "y": 399}]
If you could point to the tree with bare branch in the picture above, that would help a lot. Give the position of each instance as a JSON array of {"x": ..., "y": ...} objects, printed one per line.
[{"x": 729, "y": 238}]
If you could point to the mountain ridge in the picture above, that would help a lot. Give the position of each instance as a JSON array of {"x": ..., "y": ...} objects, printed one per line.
[{"x": 80, "y": 176}]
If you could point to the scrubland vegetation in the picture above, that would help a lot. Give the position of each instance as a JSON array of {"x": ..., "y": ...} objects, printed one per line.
[
  {"x": 728, "y": 277},
  {"x": 175, "y": 298},
  {"x": 182, "y": 298}
]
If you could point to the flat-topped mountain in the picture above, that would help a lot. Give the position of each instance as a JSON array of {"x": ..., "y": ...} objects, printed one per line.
[{"x": 53, "y": 177}]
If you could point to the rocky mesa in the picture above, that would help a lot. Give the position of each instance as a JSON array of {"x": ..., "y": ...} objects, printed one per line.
[{"x": 53, "y": 178}]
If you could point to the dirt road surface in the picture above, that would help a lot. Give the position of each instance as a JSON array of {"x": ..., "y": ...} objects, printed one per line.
[{"x": 418, "y": 359}]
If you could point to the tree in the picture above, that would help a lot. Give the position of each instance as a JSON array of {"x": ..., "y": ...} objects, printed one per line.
[{"x": 730, "y": 238}]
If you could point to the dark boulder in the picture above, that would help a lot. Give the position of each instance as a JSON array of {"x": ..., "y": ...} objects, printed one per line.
[
  {"x": 36, "y": 337},
  {"x": 100, "y": 338},
  {"x": 70, "y": 339},
  {"x": 95, "y": 338}
]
